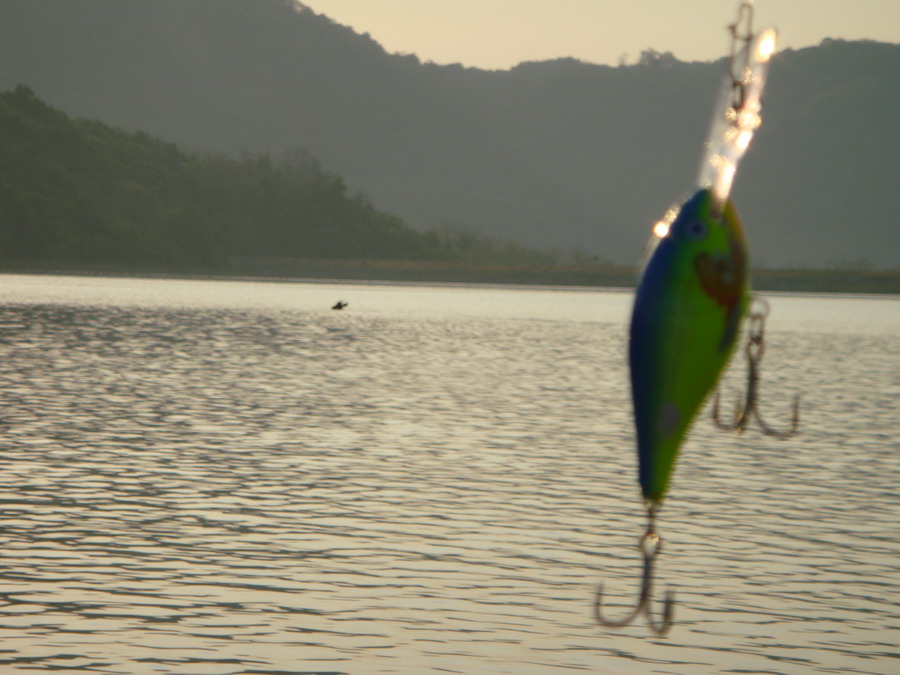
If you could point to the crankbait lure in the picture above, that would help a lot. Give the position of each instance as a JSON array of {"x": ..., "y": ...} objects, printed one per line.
[
  {"x": 687, "y": 313},
  {"x": 693, "y": 294}
]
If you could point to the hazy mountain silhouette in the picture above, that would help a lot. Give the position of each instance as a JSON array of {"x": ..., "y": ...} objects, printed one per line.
[{"x": 555, "y": 154}]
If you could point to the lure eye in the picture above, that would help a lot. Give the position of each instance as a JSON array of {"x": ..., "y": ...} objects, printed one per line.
[{"x": 697, "y": 229}]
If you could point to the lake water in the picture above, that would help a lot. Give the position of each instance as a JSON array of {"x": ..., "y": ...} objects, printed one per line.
[{"x": 217, "y": 477}]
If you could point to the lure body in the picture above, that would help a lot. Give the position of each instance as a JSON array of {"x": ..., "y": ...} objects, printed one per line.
[{"x": 693, "y": 293}]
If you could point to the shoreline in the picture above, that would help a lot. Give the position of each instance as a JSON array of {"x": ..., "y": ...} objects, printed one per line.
[{"x": 866, "y": 282}]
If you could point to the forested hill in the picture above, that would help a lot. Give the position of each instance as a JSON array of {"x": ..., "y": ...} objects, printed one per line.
[
  {"x": 80, "y": 195},
  {"x": 82, "y": 192},
  {"x": 552, "y": 154}
]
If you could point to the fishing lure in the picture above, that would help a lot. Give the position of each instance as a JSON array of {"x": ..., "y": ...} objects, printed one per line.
[
  {"x": 693, "y": 294},
  {"x": 687, "y": 313}
]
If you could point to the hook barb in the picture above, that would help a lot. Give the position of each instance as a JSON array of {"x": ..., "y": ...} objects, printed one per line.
[{"x": 650, "y": 545}]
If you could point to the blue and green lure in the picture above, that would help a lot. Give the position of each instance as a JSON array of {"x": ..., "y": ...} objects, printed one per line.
[
  {"x": 693, "y": 294},
  {"x": 687, "y": 314}
]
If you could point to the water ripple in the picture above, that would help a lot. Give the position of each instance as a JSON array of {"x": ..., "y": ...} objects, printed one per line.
[{"x": 232, "y": 489}]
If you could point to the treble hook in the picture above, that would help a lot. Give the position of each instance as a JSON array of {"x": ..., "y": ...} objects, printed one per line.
[
  {"x": 754, "y": 350},
  {"x": 650, "y": 545}
]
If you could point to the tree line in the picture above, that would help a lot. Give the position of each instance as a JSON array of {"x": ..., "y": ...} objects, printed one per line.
[{"x": 81, "y": 192}]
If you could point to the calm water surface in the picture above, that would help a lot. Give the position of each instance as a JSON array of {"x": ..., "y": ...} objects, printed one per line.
[{"x": 217, "y": 477}]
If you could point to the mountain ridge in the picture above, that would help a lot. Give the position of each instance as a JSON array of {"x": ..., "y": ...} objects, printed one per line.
[{"x": 559, "y": 154}]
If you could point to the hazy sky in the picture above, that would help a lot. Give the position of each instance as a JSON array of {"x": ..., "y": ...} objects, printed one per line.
[{"x": 498, "y": 34}]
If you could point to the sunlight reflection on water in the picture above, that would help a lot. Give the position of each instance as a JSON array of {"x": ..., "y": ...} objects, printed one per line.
[{"x": 229, "y": 477}]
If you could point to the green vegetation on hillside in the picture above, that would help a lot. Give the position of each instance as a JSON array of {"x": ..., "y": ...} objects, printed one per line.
[
  {"x": 79, "y": 192},
  {"x": 79, "y": 195}
]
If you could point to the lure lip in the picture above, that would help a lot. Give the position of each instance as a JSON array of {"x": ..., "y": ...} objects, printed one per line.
[{"x": 736, "y": 115}]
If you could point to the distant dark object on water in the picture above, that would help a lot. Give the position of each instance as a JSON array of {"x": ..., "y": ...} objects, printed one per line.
[{"x": 340, "y": 304}]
